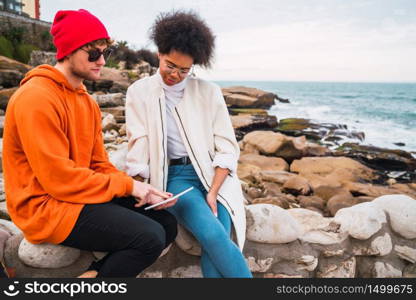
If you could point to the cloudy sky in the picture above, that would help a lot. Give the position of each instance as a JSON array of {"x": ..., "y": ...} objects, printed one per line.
[{"x": 281, "y": 40}]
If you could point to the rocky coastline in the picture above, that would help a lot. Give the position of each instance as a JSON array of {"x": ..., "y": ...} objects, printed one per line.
[{"x": 319, "y": 203}]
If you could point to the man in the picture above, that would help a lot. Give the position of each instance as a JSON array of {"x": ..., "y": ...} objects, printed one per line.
[{"x": 60, "y": 186}]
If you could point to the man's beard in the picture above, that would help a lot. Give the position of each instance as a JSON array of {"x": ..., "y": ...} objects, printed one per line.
[{"x": 82, "y": 74}]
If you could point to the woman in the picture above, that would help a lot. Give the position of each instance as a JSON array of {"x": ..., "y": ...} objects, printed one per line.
[{"x": 180, "y": 136}]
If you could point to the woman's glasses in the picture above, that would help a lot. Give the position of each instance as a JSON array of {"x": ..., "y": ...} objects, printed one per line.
[
  {"x": 95, "y": 54},
  {"x": 181, "y": 71}
]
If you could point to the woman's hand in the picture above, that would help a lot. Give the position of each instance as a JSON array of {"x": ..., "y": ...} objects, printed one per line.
[{"x": 212, "y": 202}]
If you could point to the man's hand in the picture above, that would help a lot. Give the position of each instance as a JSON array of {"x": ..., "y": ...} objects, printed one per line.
[
  {"x": 153, "y": 199},
  {"x": 143, "y": 191},
  {"x": 212, "y": 202}
]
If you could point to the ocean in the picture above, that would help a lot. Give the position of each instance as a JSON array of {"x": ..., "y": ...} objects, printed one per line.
[{"x": 385, "y": 112}]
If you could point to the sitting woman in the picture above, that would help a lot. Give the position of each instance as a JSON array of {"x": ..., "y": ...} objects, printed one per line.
[{"x": 180, "y": 136}]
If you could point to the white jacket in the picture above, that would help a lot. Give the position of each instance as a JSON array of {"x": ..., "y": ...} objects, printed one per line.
[{"x": 206, "y": 131}]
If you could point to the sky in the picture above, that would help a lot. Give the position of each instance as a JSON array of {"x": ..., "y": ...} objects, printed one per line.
[{"x": 280, "y": 40}]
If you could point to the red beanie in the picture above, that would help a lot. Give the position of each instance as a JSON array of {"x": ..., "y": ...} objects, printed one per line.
[{"x": 71, "y": 29}]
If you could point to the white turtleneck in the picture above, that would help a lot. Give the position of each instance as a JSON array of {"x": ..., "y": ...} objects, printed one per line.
[{"x": 173, "y": 95}]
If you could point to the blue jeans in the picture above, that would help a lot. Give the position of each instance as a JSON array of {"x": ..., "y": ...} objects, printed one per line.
[{"x": 220, "y": 256}]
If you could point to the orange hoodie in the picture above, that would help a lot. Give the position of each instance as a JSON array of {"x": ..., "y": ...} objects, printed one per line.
[{"x": 54, "y": 160}]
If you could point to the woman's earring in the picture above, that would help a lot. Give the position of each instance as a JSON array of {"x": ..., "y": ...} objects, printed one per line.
[{"x": 193, "y": 71}]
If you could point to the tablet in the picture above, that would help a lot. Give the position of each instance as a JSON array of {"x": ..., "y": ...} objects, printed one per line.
[{"x": 170, "y": 199}]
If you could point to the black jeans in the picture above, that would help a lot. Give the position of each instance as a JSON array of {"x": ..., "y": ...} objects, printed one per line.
[{"x": 133, "y": 237}]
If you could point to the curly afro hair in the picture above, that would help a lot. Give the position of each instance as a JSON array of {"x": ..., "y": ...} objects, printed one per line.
[{"x": 186, "y": 32}]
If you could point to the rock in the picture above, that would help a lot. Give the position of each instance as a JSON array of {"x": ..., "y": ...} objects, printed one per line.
[
  {"x": 115, "y": 111},
  {"x": 279, "y": 177},
  {"x": 380, "y": 246},
  {"x": 316, "y": 150},
  {"x": 307, "y": 262},
  {"x": 332, "y": 253},
  {"x": 254, "y": 192},
  {"x": 327, "y": 192},
  {"x": 345, "y": 269},
  {"x": 9, "y": 227},
  {"x": 248, "y": 123},
  {"x": 4, "y": 236},
  {"x": 239, "y": 96},
  {"x": 11, "y": 73},
  {"x": 245, "y": 123},
  {"x": 4, "y": 214},
  {"x": 380, "y": 158},
  {"x": 340, "y": 201},
  {"x": 361, "y": 221},
  {"x": 273, "y": 275},
  {"x": 118, "y": 157},
  {"x": 187, "y": 242},
  {"x": 38, "y": 57},
  {"x": 276, "y": 144},
  {"x": 278, "y": 201},
  {"x": 143, "y": 67},
  {"x": 186, "y": 272},
  {"x": 309, "y": 220},
  {"x": 401, "y": 210},
  {"x": 297, "y": 186},
  {"x": 259, "y": 265},
  {"x": 328, "y": 235},
  {"x": 385, "y": 270},
  {"x": 369, "y": 190},
  {"x": 110, "y": 136},
  {"x": 270, "y": 189},
  {"x": 110, "y": 100},
  {"x": 247, "y": 172},
  {"x": 109, "y": 123},
  {"x": 1, "y": 130},
  {"x": 327, "y": 165},
  {"x": 47, "y": 256},
  {"x": 409, "y": 271},
  {"x": 311, "y": 201},
  {"x": 11, "y": 64},
  {"x": 123, "y": 130},
  {"x": 316, "y": 181},
  {"x": 265, "y": 163},
  {"x": 13, "y": 262},
  {"x": 406, "y": 253},
  {"x": 271, "y": 224},
  {"x": 5, "y": 95},
  {"x": 247, "y": 111},
  {"x": 407, "y": 189}
]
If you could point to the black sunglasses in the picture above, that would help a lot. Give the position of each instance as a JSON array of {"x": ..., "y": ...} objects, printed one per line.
[{"x": 95, "y": 54}]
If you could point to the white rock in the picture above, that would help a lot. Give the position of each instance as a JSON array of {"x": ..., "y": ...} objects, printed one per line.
[
  {"x": 10, "y": 227},
  {"x": 186, "y": 272},
  {"x": 47, "y": 255},
  {"x": 187, "y": 242},
  {"x": 385, "y": 270},
  {"x": 381, "y": 245},
  {"x": 308, "y": 219},
  {"x": 307, "y": 262},
  {"x": 402, "y": 212},
  {"x": 406, "y": 253},
  {"x": 331, "y": 253},
  {"x": 259, "y": 265},
  {"x": 267, "y": 223},
  {"x": 346, "y": 269},
  {"x": 323, "y": 237},
  {"x": 361, "y": 221},
  {"x": 108, "y": 121},
  {"x": 118, "y": 157}
]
